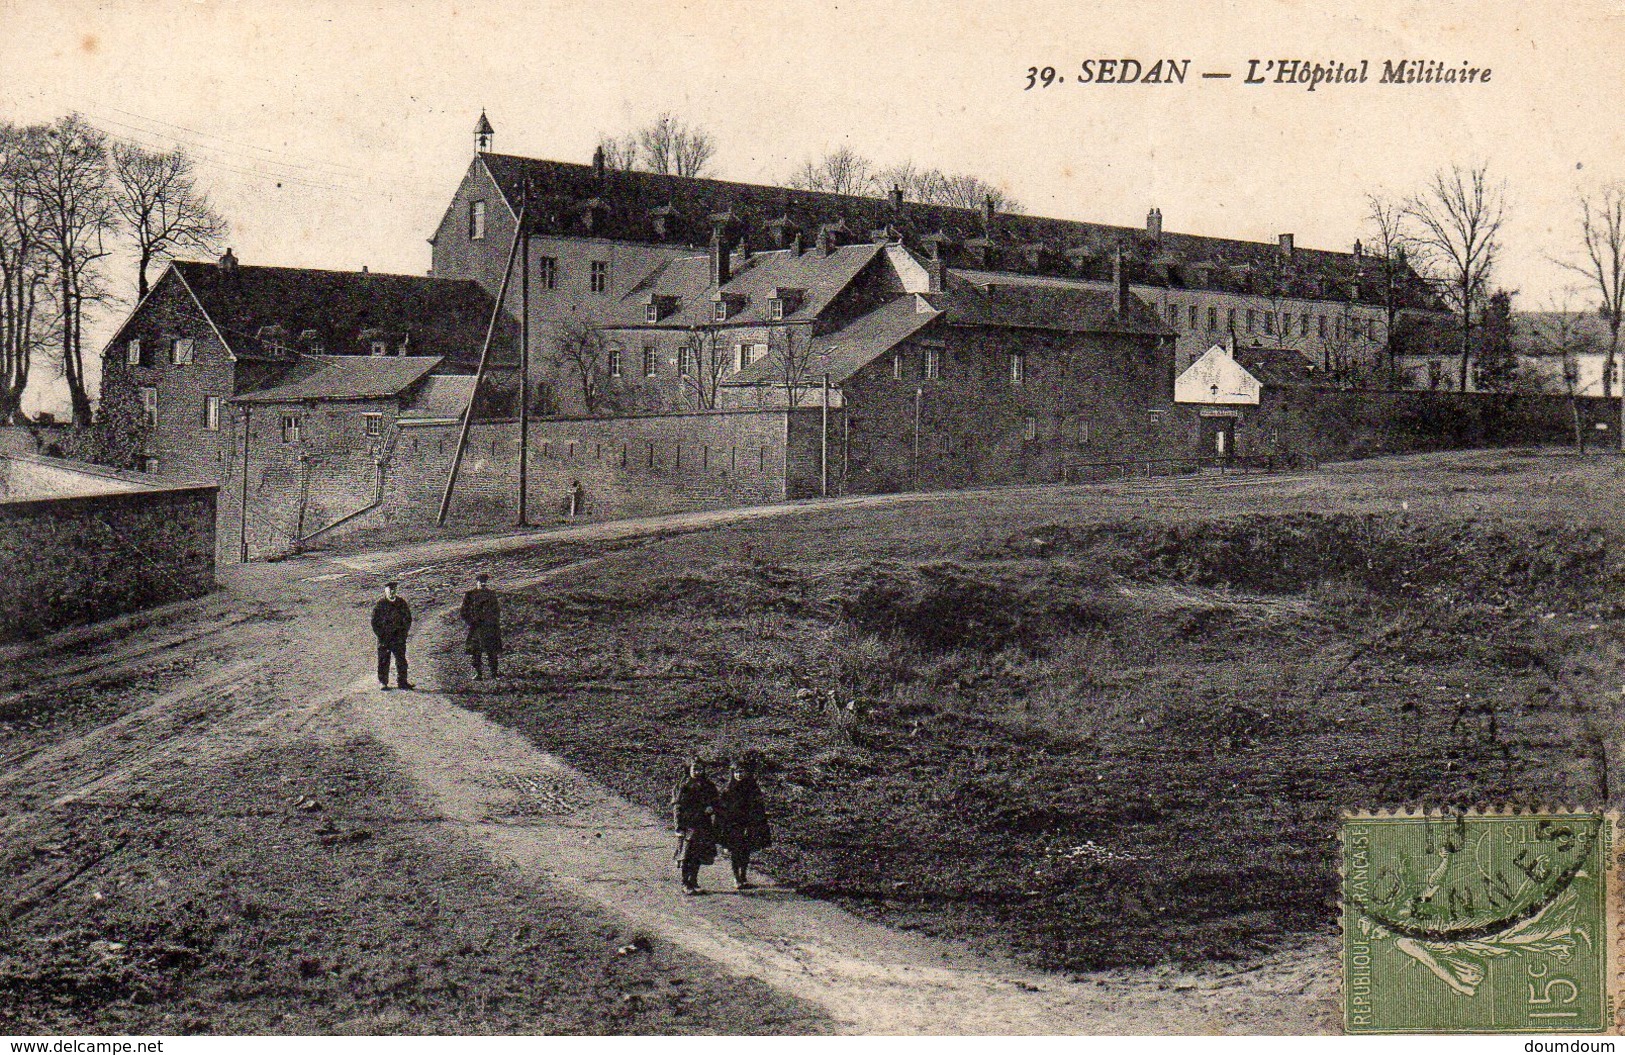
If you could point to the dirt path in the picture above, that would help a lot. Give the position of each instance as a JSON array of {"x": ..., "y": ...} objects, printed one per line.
[{"x": 305, "y": 655}]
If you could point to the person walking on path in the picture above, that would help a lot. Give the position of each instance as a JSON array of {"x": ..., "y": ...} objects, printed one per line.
[
  {"x": 483, "y": 614},
  {"x": 391, "y": 621},
  {"x": 694, "y": 808},
  {"x": 742, "y": 826}
]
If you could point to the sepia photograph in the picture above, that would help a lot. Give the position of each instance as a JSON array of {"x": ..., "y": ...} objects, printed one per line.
[{"x": 745, "y": 518}]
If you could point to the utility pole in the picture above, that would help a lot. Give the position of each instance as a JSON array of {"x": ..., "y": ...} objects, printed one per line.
[
  {"x": 242, "y": 518},
  {"x": 479, "y": 374},
  {"x": 823, "y": 445},
  {"x": 524, "y": 354},
  {"x": 919, "y": 396}
]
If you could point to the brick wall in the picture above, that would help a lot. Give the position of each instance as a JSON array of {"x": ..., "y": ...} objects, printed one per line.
[{"x": 66, "y": 561}]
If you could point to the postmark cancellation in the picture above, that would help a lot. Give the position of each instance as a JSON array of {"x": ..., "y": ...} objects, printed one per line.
[{"x": 1493, "y": 922}]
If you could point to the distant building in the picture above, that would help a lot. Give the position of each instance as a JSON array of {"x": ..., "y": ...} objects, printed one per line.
[
  {"x": 208, "y": 333},
  {"x": 601, "y": 237}
]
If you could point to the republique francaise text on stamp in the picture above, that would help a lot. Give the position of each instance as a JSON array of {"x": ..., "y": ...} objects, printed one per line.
[{"x": 1479, "y": 922}]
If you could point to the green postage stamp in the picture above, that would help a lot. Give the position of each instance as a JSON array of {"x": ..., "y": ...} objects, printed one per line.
[{"x": 1479, "y": 922}]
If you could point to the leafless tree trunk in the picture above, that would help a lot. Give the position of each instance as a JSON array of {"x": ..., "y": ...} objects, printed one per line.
[
  {"x": 675, "y": 148},
  {"x": 1602, "y": 225},
  {"x": 581, "y": 347},
  {"x": 25, "y": 268},
  {"x": 1561, "y": 334},
  {"x": 709, "y": 364},
  {"x": 162, "y": 209},
  {"x": 1459, "y": 225},
  {"x": 1391, "y": 240},
  {"x": 793, "y": 346},
  {"x": 70, "y": 183}
]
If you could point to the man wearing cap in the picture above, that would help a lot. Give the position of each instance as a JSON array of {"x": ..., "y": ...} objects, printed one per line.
[
  {"x": 391, "y": 620},
  {"x": 483, "y": 614}
]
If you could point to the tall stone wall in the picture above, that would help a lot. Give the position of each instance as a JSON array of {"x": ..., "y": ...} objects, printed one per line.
[
  {"x": 67, "y": 561},
  {"x": 629, "y": 466}
]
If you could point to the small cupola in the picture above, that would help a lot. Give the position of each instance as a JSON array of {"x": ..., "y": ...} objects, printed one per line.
[
  {"x": 228, "y": 261},
  {"x": 663, "y": 220},
  {"x": 484, "y": 134},
  {"x": 783, "y": 230}
]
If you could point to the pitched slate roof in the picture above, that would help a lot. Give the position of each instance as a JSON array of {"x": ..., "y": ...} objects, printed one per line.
[
  {"x": 820, "y": 278},
  {"x": 441, "y": 396},
  {"x": 434, "y": 316},
  {"x": 329, "y": 378},
  {"x": 1046, "y": 307},
  {"x": 844, "y": 352},
  {"x": 625, "y": 204}
]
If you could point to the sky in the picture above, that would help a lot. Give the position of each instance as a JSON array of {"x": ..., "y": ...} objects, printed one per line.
[{"x": 331, "y": 133}]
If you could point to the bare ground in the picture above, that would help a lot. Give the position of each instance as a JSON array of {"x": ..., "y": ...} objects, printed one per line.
[{"x": 278, "y": 667}]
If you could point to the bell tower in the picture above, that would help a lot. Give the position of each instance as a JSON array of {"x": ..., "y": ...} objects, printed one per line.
[{"x": 483, "y": 134}]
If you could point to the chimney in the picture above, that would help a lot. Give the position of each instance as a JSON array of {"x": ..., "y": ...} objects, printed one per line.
[
  {"x": 1286, "y": 246},
  {"x": 364, "y": 269},
  {"x": 1359, "y": 249},
  {"x": 721, "y": 262},
  {"x": 228, "y": 262},
  {"x": 987, "y": 214},
  {"x": 936, "y": 275},
  {"x": 598, "y": 163},
  {"x": 1153, "y": 224},
  {"x": 1120, "y": 291},
  {"x": 795, "y": 244},
  {"x": 743, "y": 249},
  {"x": 896, "y": 199},
  {"x": 1230, "y": 346}
]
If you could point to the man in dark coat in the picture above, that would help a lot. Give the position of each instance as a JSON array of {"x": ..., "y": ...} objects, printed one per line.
[
  {"x": 391, "y": 620},
  {"x": 742, "y": 821},
  {"x": 694, "y": 808},
  {"x": 483, "y": 614}
]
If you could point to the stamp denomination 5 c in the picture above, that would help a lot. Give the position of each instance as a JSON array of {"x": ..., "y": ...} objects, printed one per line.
[{"x": 1479, "y": 922}]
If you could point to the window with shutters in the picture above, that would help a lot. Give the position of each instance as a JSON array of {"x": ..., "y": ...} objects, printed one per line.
[
  {"x": 211, "y": 413},
  {"x": 149, "y": 406},
  {"x": 476, "y": 221},
  {"x": 600, "y": 276},
  {"x": 132, "y": 353},
  {"x": 291, "y": 426},
  {"x": 180, "y": 351}
]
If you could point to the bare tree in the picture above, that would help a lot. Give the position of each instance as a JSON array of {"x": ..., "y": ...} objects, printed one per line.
[
  {"x": 1389, "y": 234},
  {"x": 620, "y": 152},
  {"x": 69, "y": 180},
  {"x": 841, "y": 171},
  {"x": 708, "y": 362},
  {"x": 1602, "y": 225},
  {"x": 581, "y": 347},
  {"x": 1458, "y": 221},
  {"x": 161, "y": 206},
  {"x": 792, "y": 347},
  {"x": 671, "y": 146},
  {"x": 1560, "y": 332},
  {"x": 25, "y": 268}
]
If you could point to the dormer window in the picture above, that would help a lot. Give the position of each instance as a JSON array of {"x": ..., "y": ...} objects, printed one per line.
[
  {"x": 726, "y": 305},
  {"x": 782, "y": 301},
  {"x": 658, "y": 307}
]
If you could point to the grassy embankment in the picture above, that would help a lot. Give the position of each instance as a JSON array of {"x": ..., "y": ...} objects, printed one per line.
[{"x": 1100, "y": 730}]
